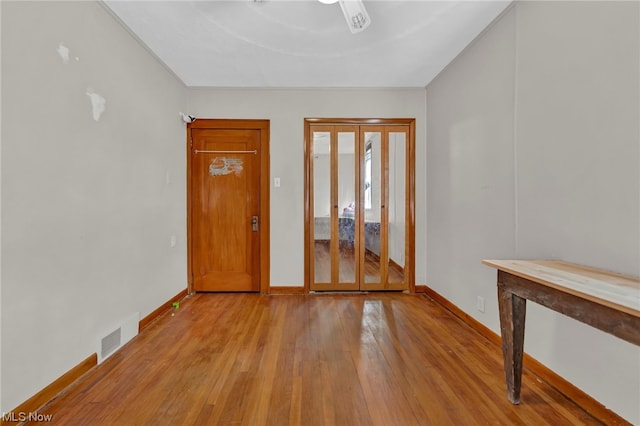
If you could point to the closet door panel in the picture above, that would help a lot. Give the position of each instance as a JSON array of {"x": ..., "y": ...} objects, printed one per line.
[
  {"x": 396, "y": 209},
  {"x": 334, "y": 186},
  {"x": 346, "y": 191},
  {"x": 372, "y": 205},
  {"x": 321, "y": 206}
]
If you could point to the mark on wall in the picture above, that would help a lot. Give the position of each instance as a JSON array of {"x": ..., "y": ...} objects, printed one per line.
[
  {"x": 63, "y": 51},
  {"x": 98, "y": 104},
  {"x": 221, "y": 166}
]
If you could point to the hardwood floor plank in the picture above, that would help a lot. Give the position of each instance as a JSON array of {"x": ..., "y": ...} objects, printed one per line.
[{"x": 366, "y": 359}]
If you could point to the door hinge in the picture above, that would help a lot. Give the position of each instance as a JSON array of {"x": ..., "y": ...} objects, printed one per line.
[{"x": 191, "y": 143}]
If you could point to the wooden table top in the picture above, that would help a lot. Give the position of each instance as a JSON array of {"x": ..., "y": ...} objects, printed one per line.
[{"x": 615, "y": 290}]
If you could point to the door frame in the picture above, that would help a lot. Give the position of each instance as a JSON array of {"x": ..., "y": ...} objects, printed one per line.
[
  {"x": 410, "y": 202},
  {"x": 265, "y": 243}
]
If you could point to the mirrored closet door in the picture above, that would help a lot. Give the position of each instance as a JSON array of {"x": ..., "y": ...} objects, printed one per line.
[
  {"x": 359, "y": 228},
  {"x": 334, "y": 242}
]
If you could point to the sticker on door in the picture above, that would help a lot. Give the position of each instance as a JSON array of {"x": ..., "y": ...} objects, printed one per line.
[{"x": 221, "y": 166}]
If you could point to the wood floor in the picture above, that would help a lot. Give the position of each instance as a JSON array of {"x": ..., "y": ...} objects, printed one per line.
[
  {"x": 347, "y": 265},
  {"x": 371, "y": 359}
]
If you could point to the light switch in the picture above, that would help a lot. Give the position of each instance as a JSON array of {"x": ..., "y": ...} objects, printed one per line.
[{"x": 276, "y": 182}]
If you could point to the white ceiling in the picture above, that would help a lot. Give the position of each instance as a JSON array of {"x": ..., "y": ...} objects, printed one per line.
[{"x": 304, "y": 43}]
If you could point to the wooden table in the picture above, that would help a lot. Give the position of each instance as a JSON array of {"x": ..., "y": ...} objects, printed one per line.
[{"x": 602, "y": 299}]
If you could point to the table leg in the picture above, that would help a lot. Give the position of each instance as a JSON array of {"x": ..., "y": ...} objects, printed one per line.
[{"x": 512, "y": 317}]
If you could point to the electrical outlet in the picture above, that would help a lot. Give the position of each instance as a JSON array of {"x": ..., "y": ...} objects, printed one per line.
[{"x": 480, "y": 303}]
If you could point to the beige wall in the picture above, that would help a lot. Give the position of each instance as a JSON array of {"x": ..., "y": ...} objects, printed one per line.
[
  {"x": 88, "y": 207},
  {"x": 533, "y": 152},
  {"x": 287, "y": 109}
]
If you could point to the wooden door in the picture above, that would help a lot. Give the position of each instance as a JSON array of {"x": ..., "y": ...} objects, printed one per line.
[
  {"x": 225, "y": 208},
  {"x": 335, "y": 242},
  {"x": 359, "y": 204},
  {"x": 386, "y": 165},
  {"x": 373, "y": 226}
]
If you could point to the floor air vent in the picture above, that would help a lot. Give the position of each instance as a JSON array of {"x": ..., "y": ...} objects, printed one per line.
[
  {"x": 110, "y": 343},
  {"x": 117, "y": 338}
]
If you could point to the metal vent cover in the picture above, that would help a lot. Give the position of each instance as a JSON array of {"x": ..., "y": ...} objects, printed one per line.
[{"x": 110, "y": 343}]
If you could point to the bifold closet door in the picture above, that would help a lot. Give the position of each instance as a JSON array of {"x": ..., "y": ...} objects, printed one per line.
[
  {"x": 384, "y": 194},
  {"x": 358, "y": 207},
  {"x": 334, "y": 197},
  {"x": 372, "y": 227},
  {"x": 398, "y": 249}
]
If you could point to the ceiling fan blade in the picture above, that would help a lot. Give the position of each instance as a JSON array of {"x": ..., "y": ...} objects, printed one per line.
[{"x": 355, "y": 14}]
